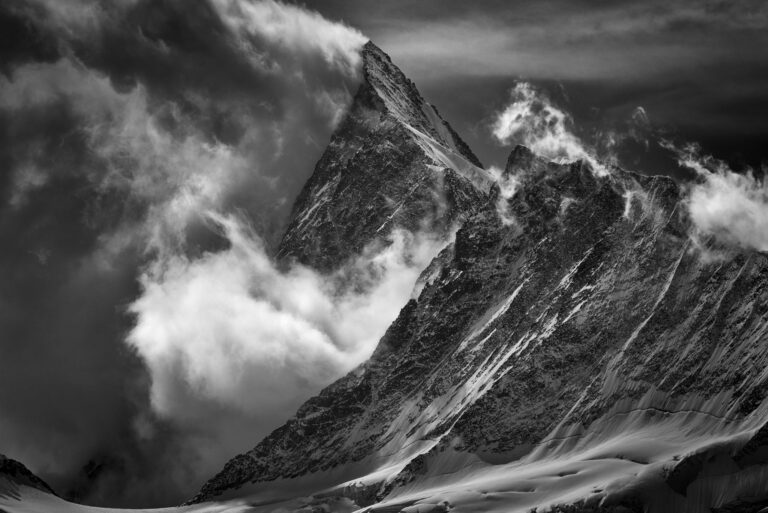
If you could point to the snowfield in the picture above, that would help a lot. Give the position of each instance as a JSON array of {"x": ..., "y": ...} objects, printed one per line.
[{"x": 597, "y": 469}]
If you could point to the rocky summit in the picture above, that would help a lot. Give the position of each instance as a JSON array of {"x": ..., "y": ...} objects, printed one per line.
[
  {"x": 393, "y": 162},
  {"x": 570, "y": 350},
  {"x": 14, "y": 474}
]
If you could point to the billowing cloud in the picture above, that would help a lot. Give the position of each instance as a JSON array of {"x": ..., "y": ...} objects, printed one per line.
[
  {"x": 229, "y": 328},
  {"x": 531, "y": 119},
  {"x": 245, "y": 75},
  {"x": 135, "y": 135},
  {"x": 286, "y": 28},
  {"x": 731, "y": 207}
]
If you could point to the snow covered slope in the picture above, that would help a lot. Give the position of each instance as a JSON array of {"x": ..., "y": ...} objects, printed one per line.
[
  {"x": 14, "y": 474},
  {"x": 393, "y": 162},
  {"x": 584, "y": 354}
]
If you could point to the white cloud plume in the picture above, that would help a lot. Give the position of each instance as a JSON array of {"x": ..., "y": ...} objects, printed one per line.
[
  {"x": 508, "y": 187},
  {"x": 288, "y": 28},
  {"x": 236, "y": 331},
  {"x": 220, "y": 330},
  {"x": 532, "y": 120},
  {"x": 732, "y": 207}
]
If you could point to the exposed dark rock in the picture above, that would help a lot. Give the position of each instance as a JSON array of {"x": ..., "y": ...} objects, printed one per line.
[
  {"x": 590, "y": 315},
  {"x": 18, "y": 474},
  {"x": 393, "y": 162}
]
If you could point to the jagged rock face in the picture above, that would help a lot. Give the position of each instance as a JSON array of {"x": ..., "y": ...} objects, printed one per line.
[
  {"x": 587, "y": 323},
  {"x": 393, "y": 162},
  {"x": 14, "y": 474}
]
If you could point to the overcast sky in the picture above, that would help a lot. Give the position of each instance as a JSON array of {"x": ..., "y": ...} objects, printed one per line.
[
  {"x": 151, "y": 152},
  {"x": 698, "y": 67}
]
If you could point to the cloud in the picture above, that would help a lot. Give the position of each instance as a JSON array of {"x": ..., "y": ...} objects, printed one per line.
[
  {"x": 234, "y": 345},
  {"x": 562, "y": 40},
  {"x": 533, "y": 121},
  {"x": 508, "y": 186},
  {"x": 136, "y": 153},
  {"x": 25, "y": 180},
  {"x": 167, "y": 176},
  {"x": 274, "y": 87},
  {"x": 730, "y": 207},
  {"x": 286, "y": 27},
  {"x": 230, "y": 328},
  {"x": 697, "y": 67}
]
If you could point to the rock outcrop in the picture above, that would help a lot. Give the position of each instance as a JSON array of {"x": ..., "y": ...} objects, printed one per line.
[
  {"x": 14, "y": 474},
  {"x": 393, "y": 162}
]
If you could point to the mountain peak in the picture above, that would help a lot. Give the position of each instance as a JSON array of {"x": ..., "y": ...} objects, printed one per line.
[
  {"x": 16, "y": 474},
  {"x": 403, "y": 101},
  {"x": 393, "y": 163}
]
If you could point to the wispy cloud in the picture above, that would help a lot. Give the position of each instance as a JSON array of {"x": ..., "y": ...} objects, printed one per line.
[
  {"x": 566, "y": 40},
  {"x": 728, "y": 206},
  {"x": 532, "y": 120},
  {"x": 230, "y": 328},
  {"x": 508, "y": 185}
]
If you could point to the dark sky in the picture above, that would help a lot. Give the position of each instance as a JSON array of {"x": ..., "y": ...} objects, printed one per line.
[
  {"x": 126, "y": 126},
  {"x": 698, "y": 67}
]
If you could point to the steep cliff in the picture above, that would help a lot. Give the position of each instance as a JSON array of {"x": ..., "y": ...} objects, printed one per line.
[
  {"x": 583, "y": 354},
  {"x": 14, "y": 474},
  {"x": 393, "y": 162}
]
